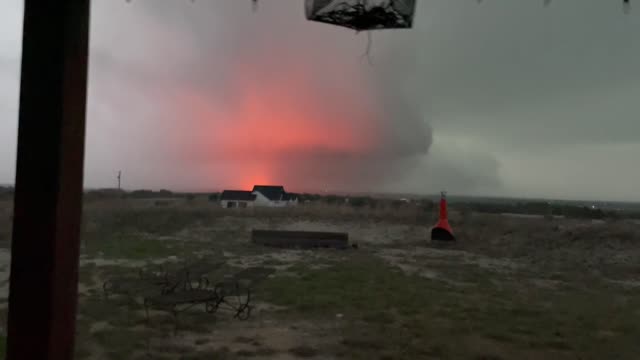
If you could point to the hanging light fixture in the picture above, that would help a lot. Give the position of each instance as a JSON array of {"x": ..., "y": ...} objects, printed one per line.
[{"x": 363, "y": 14}]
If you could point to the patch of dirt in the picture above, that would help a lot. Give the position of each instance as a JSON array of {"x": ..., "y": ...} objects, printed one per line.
[
  {"x": 129, "y": 263},
  {"x": 258, "y": 335},
  {"x": 281, "y": 260},
  {"x": 263, "y": 307},
  {"x": 433, "y": 263},
  {"x": 423, "y": 256},
  {"x": 627, "y": 284},
  {"x": 547, "y": 283}
]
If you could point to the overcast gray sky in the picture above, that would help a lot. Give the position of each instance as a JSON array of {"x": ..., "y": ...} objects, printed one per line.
[{"x": 503, "y": 98}]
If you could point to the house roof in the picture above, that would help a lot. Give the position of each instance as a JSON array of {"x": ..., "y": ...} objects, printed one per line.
[
  {"x": 271, "y": 192},
  {"x": 237, "y": 195}
]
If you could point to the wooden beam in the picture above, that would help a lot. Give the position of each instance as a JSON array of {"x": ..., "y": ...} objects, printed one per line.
[
  {"x": 300, "y": 239},
  {"x": 48, "y": 189}
]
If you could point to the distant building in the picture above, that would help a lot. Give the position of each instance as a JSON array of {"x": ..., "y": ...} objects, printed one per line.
[
  {"x": 237, "y": 199},
  {"x": 274, "y": 196},
  {"x": 261, "y": 195}
]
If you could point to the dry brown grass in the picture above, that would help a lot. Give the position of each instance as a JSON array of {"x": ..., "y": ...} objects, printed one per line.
[
  {"x": 405, "y": 213},
  {"x": 568, "y": 296}
]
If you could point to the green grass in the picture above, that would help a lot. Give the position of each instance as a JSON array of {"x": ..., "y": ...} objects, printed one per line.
[
  {"x": 465, "y": 312},
  {"x": 132, "y": 246},
  {"x": 140, "y": 246},
  {"x": 158, "y": 221},
  {"x": 132, "y": 233},
  {"x": 388, "y": 311}
]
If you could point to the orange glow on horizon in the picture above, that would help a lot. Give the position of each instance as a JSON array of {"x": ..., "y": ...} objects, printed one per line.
[
  {"x": 253, "y": 177},
  {"x": 269, "y": 119}
]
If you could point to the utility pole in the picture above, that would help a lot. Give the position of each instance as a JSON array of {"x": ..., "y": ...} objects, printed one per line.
[{"x": 119, "y": 177}]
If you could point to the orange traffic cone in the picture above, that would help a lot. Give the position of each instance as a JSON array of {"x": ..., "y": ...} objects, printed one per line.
[{"x": 442, "y": 231}]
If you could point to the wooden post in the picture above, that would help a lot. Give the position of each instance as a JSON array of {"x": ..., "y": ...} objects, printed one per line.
[{"x": 48, "y": 190}]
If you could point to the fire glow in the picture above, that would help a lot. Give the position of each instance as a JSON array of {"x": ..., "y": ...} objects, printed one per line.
[{"x": 288, "y": 130}]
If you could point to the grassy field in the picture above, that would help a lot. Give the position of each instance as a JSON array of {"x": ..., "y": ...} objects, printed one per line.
[{"x": 527, "y": 288}]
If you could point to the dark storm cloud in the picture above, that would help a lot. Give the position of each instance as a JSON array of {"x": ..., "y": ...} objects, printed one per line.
[
  {"x": 215, "y": 47},
  {"x": 518, "y": 98},
  {"x": 540, "y": 90},
  {"x": 521, "y": 67}
]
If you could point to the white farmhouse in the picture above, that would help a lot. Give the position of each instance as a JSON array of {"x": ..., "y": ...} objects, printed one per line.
[
  {"x": 261, "y": 195},
  {"x": 237, "y": 199}
]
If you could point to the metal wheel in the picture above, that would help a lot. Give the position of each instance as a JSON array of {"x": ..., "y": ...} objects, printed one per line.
[
  {"x": 211, "y": 307},
  {"x": 243, "y": 313},
  {"x": 240, "y": 304},
  {"x": 235, "y": 298}
]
